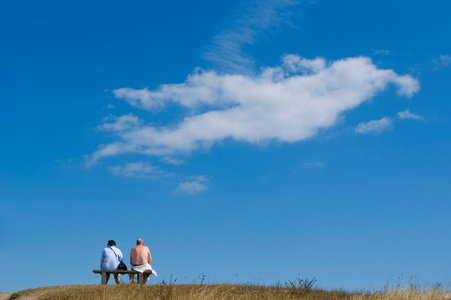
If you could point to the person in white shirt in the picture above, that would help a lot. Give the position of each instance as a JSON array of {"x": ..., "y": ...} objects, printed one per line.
[{"x": 109, "y": 260}]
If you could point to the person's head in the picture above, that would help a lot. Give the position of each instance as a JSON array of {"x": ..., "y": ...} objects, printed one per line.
[
  {"x": 111, "y": 243},
  {"x": 139, "y": 242}
]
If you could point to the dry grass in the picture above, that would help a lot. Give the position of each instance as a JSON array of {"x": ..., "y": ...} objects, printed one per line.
[
  {"x": 291, "y": 290},
  {"x": 178, "y": 291},
  {"x": 407, "y": 294}
]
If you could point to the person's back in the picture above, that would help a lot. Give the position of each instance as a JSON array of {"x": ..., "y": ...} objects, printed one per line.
[
  {"x": 110, "y": 258},
  {"x": 140, "y": 255},
  {"x": 140, "y": 260}
]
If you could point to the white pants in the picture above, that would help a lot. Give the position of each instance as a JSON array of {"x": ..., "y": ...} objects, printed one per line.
[{"x": 141, "y": 269}]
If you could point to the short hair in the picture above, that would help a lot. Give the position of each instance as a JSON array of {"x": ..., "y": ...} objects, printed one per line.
[
  {"x": 111, "y": 243},
  {"x": 139, "y": 241}
]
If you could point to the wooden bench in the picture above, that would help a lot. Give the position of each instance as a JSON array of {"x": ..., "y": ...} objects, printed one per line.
[{"x": 122, "y": 272}]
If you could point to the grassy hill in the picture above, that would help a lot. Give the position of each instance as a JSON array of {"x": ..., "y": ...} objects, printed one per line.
[{"x": 218, "y": 291}]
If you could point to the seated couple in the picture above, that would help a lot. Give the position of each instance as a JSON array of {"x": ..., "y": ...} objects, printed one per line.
[{"x": 140, "y": 260}]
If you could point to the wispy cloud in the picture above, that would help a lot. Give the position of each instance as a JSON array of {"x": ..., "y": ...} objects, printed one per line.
[
  {"x": 406, "y": 114},
  {"x": 375, "y": 126},
  {"x": 445, "y": 59},
  {"x": 227, "y": 50},
  {"x": 136, "y": 169},
  {"x": 193, "y": 185},
  {"x": 123, "y": 123},
  {"x": 380, "y": 52},
  {"x": 172, "y": 161},
  {"x": 286, "y": 103}
]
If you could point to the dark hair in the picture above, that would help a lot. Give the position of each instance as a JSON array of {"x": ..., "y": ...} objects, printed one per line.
[{"x": 111, "y": 243}]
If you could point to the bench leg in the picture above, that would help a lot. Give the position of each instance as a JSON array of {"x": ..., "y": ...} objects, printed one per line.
[
  {"x": 104, "y": 278},
  {"x": 140, "y": 278}
]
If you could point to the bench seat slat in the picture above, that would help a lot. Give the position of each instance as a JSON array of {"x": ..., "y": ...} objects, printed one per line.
[
  {"x": 123, "y": 272},
  {"x": 119, "y": 271}
]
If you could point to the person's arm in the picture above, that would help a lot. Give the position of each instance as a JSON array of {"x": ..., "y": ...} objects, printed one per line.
[
  {"x": 121, "y": 257},
  {"x": 101, "y": 259},
  {"x": 131, "y": 257},
  {"x": 149, "y": 257}
]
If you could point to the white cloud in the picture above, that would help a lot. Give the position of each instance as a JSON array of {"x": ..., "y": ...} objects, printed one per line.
[
  {"x": 287, "y": 103},
  {"x": 406, "y": 114},
  {"x": 123, "y": 123},
  {"x": 194, "y": 185},
  {"x": 135, "y": 169},
  {"x": 375, "y": 126},
  {"x": 227, "y": 48},
  {"x": 296, "y": 64},
  {"x": 172, "y": 161}
]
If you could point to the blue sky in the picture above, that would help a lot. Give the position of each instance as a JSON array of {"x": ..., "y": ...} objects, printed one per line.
[{"x": 250, "y": 141}]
